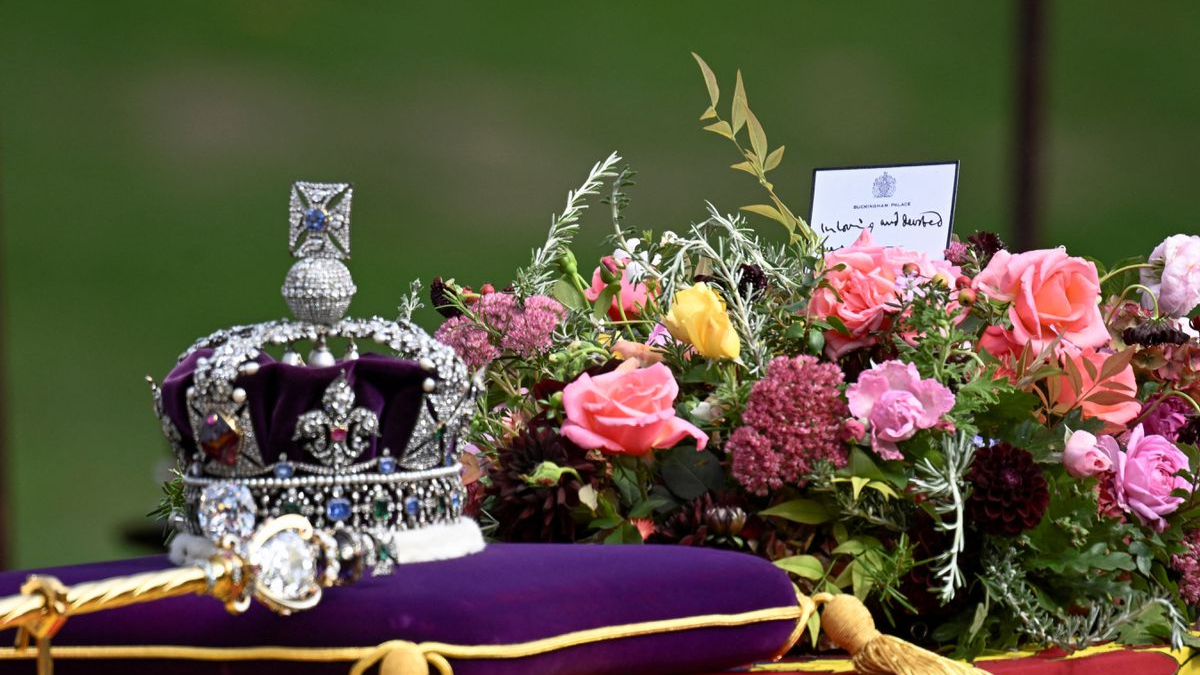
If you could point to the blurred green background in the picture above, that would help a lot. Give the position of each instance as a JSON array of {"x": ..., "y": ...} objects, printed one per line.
[{"x": 146, "y": 152}]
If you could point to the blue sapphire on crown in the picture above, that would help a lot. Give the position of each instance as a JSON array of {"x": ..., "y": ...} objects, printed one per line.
[{"x": 315, "y": 219}]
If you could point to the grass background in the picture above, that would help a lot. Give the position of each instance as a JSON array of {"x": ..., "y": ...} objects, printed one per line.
[{"x": 147, "y": 150}]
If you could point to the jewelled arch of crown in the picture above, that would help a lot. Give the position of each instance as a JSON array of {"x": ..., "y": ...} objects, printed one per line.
[{"x": 386, "y": 504}]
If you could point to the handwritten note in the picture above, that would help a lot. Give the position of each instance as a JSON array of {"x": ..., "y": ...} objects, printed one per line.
[{"x": 910, "y": 205}]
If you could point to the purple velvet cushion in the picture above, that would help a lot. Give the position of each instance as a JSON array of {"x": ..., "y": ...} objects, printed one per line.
[{"x": 509, "y": 593}]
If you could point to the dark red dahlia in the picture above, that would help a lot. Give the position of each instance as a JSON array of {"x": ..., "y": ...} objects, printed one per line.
[
  {"x": 752, "y": 281},
  {"x": 688, "y": 526},
  {"x": 441, "y": 296},
  {"x": 1010, "y": 493},
  {"x": 532, "y": 512},
  {"x": 985, "y": 245}
]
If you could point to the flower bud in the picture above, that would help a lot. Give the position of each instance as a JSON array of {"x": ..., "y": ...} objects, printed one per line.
[{"x": 567, "y": 263}]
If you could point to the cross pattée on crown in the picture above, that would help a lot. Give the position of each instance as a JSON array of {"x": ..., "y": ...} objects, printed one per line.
[{"x": 319, "y": 220}]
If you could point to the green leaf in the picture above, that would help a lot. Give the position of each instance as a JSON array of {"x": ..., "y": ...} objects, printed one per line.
[
  {"x": 625, "y": 533},
  {"x": 625, "y": 477},
  {"x": 804, "y": 566},
  {"x": 773, "y": 159},
  {"x": 758, "y": 137},
  {"x": 765, "y": 210},
  {"x": 1072, "y": 561},
  {"x": 814, "y": 629},
  {"x": 837, "y": 324},
  {"x": 647, "y": 507},
  {"x": 689, "y": 473},
  {"x": 565, "y": 292},
  {"x": 721, "y": 128},
  {"x": 806, "y": 511},
  {"x": 740, "y": 106},
  {"x": 603, "y": 302},
  {"x": 710, "y": 80},
  {"x": 851, "y": 547}
]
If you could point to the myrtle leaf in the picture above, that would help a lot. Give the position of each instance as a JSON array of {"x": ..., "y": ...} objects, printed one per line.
[
  {"x": 721, "y": 128},
  {"x": 766, "y": 210},
  {"x": 710, "y": 81},
  {"x": 758, "y": 137},
  {"x": 710, "y": 113},
  {"x": 744, "y": 166},
  {"x": 740, "y": 106},
  {"x": 773, "y": 159}
]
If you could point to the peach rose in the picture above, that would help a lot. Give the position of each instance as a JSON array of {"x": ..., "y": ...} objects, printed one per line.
[
  {"x": 628, "y": 411},
  {"x": 1111, "y": 399},
  {"x": 861, "y": 290},
  {"x": 1051, "y": 295}
]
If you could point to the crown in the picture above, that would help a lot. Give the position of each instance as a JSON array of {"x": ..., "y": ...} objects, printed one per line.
[{"x": 363, "y": 446}]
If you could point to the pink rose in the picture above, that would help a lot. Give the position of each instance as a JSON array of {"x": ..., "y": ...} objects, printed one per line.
[
  {"x": 1051, "y": 295},
  {"x": 1087, "y": 455},
  {"x": 897, "y": 404},
  {"x": 1175, "y": 277},
  {"x": 632, "y": 297},
  {"x": 628, "y": 411},
  {"x": 1111, "y": 399},
  {"x": 1144, "y": 477},
  {"x": 861, "y": 291}
]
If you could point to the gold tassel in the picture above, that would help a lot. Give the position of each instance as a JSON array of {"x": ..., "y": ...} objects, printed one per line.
[{"x": 848, "y": 623}]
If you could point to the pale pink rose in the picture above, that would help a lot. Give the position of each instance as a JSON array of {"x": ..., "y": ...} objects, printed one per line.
[
  {"x": 1117, "y": 404},
  {"x": 1051, "y": 295},
  {"x": 1087, "y": 455},
  {"x": 629, "y": 411},
  {"x": 1144, "y": 477},
  {"x": 1175, "y": 278},
  {"x": 861, "y": 289},
  {"x": 897, "y": 404},
  {"x": 632, "y": 297}
]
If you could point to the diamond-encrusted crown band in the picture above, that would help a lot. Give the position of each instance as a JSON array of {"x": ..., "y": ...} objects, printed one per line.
[{"x": 365, "y": 447}]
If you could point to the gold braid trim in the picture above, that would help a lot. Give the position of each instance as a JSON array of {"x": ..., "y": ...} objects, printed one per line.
[{"x": 434, "y": 653}]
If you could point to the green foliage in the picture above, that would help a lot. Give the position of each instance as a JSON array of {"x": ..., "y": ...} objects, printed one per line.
[{"x": 759, "y": 158}]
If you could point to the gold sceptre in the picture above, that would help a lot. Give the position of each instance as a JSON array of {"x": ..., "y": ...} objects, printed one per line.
[{"x": 234, "y": 575}]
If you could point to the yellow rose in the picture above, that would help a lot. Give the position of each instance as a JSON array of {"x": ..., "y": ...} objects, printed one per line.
[{"x": 698, "y": 317}]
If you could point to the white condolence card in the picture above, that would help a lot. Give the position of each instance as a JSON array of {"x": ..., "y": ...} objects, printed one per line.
[{"x": 909, "y": 205}]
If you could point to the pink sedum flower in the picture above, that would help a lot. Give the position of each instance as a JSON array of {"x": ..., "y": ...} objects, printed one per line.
[
  {"x": 1086, "y": 455},
  {"x": 897, "y": 404},
  {"x": 633, "y": 295},
  {"x": 1144, "y": 477},
  {"x": 1050, "y": 295},
  {"x": 628, "y": 411},
  {"x": 1175, "y": 277},
  {"x": 794, "y": 418}
]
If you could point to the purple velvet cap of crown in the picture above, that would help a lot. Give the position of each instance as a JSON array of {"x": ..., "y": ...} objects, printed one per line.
[{"x": 278, "y": 394}]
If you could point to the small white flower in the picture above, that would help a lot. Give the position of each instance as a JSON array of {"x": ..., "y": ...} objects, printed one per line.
[
  {"x": 638, "y": 262},
  {"x": 706, "y": 412}
]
